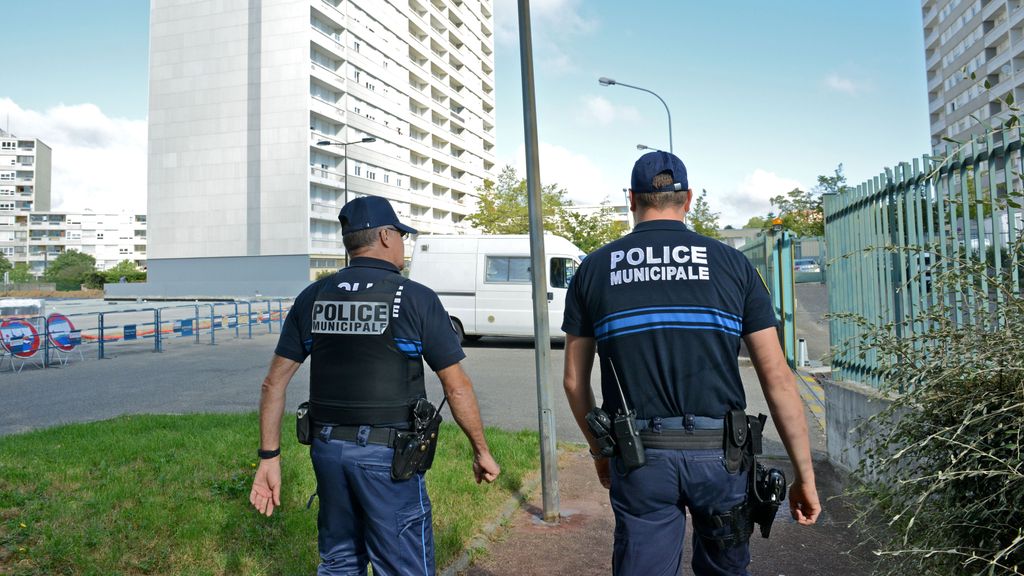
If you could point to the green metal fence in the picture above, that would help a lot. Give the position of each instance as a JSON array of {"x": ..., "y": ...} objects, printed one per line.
[
  {"x": 772, "y": 255},
  {"x": 890, "y": 236}
]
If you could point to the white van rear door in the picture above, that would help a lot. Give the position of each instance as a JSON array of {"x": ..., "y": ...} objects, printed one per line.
[{"x": 561, "y": 269}]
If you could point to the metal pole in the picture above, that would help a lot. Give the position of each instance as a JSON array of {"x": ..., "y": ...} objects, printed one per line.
[
  {"x": 237, "y": 321},
  {"x": 46, "y": 341},
  {"x": 213, "y": 327},
  {"x": 541, "y": 332},
  {"x": 101, "y": 336},
  {"x": 344, "y": 175},
  {"x": 156, "y": 330}
]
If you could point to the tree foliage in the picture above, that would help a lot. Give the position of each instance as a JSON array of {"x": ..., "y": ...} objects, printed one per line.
[
  {"x": 503, "y": 208},
  {"x": 124, "y": 269},
  {"x": 21, "y": 274},
  {"x": 701, "y": 219},
  {"x": 803, "y": 212},
  {"x": 70, "y": 265},
  {"x": 943, "y": 464},
  {"x": 5, "y": 265},
  {"x": 591, "y": 231}
]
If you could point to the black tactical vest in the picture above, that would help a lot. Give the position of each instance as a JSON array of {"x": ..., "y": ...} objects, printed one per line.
[{"x": 357, "y": 374}]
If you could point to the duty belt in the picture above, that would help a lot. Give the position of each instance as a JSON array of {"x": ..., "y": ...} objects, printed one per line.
[
  {"x": 380, "y": 436},
  {"x": 682, "y": 439}
]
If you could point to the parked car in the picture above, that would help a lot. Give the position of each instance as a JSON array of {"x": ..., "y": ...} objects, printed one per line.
[{"x": 806, "y": 265}]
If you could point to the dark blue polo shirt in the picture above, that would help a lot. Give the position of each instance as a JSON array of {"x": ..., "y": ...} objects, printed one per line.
[
  {"x": 422, "y": 329},
  {"x": 668, "y": 307}
]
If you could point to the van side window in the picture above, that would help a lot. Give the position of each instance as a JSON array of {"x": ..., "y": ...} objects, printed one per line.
[
  {"x": 562, "y": 271},
  {"x": 508, "y": 269}
]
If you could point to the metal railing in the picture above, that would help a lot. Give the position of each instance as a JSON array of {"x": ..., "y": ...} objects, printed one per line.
[
  {"x": 891, "y": 236},
  {"x": 157, "y": 327},
  {"x": 772, "y": 255}
]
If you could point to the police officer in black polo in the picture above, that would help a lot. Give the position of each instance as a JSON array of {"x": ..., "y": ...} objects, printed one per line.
[
  {"x": 368, "y": 330},
  {"x": 665, "y": 309}
]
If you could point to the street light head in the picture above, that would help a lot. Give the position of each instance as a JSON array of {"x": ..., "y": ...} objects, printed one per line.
[
  {"x": 643, "y": 147},
  {"x": 605, "y": 81},
  {"x": 368, "y": 139},
  {"x": 323, "y": 143}
]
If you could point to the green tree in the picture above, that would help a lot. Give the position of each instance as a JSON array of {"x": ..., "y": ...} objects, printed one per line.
[
  {"x": 758, "y": 222},
  {"x": 590, "y": 232},
  {"x": 70, "y": 266},
  {"x": 701, "y": 218},
  {"x": 20, "y": 274},
  {"x": 5, "y": 265},
  {"x": 126, "y": 269},
  {"x": 503, "y": 208}
]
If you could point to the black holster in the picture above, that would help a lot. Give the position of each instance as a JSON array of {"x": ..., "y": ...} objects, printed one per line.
[
  {"x": 414, "y": 449},
  {"x": 765, "y": 487}
]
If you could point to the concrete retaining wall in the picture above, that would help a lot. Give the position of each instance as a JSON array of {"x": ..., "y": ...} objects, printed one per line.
[{"x": 847, "y": 408}]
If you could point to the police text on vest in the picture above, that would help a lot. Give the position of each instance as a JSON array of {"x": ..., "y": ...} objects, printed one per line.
[
  {"x": 350, "y": 317},
  {"x": 658, "y": 264}
]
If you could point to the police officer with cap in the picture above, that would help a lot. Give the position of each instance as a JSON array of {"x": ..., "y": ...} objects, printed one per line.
[
  {"x": 368, "y": 331},
  {"x": 666, "y": 309}
]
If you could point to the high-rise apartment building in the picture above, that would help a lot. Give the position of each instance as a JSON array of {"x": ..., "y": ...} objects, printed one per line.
[
  {"x": 266, "y": 116},
  {"x": 983, "y": 38}
]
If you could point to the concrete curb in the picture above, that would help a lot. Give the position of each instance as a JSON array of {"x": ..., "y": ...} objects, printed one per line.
[{"x": 482, "y": 540}]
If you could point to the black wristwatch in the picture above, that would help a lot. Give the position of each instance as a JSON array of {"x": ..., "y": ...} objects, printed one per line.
[{"x": 268, "y": 454}]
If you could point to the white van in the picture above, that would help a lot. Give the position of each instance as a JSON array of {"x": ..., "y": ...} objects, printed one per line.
[{"x": 484, "y": 281}]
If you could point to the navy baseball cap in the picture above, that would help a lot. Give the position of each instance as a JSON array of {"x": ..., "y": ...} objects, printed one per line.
[
  {"x": 369, "y": 212},
  {"x": 653, "y": 163}
]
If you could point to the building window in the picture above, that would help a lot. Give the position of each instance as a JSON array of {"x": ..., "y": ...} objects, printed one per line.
[
  {"x": 6, "y": 205},
  {"x": 123, "y": 251},
  {"x": 386, "y": 178},
  {"x": 358, "y": 170},
  {"x": 371, "y": 174},
  {"x": 7, "y": 145},
  {"x": 356, "y": 45},
  {"x": 398, "y": 181},
  {"x": 99, "y": 235}
]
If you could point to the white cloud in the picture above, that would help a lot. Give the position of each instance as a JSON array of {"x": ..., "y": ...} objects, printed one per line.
[
  {"x": 838, "y": 83},
  {"x": 566, "y": 15},
  {"x": 99, "y": 162},
  {"x": 583, "y": 180},
  {"x": 750, "y": 197},
  {"x": 602, "y": 111}
]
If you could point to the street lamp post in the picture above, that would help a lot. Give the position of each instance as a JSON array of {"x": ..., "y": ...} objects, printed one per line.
[
  {"x": 609, "y": 82},
  {"x": 645, "y": 147},
  {"x": 344, "y": 173}
]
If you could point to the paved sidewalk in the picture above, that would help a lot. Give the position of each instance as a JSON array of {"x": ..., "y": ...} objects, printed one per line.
[{"x": 581, "y": 543}]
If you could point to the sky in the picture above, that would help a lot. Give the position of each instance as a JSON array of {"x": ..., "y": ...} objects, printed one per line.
[{"x": 764, "y": 96}]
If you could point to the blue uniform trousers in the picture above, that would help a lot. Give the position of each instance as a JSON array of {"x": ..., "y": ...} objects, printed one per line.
[
  {"x": 366, "y": 516},
  {"x": 650, "y": 516}
]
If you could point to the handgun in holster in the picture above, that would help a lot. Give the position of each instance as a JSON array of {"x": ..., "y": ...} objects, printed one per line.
[{"x": 414, "y": 449}]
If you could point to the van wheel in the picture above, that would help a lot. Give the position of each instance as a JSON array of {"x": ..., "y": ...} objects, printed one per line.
[{"x": 458, "y": 330}]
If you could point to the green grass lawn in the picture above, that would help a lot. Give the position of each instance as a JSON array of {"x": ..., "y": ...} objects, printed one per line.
[{"x": 170, "y": 495}]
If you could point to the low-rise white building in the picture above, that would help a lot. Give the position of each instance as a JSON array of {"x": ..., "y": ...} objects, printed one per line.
[{"x": 31, "y": 233}]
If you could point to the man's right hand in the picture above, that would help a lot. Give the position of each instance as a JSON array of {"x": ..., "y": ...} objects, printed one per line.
[
  {"x": 266, "y": 486},
  {"x": 485, "y": 469},
  {"x": 803, "y": 503}
]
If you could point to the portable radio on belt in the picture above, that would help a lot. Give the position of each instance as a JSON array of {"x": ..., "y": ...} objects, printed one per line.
[
  {"x": 414, "y": 449},
  {"x": 627, "y": 438}
]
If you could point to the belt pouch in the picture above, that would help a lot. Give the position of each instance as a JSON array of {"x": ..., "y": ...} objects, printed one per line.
[
  {"x": 302, "y": 424},
  {"x": 735, "y": 440}
]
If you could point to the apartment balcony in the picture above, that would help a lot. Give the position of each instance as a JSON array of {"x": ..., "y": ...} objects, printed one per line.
[
  {"x": 321, "y": 211},
  {"x": 325, "y": 176},
  {"x": 326, "y": 109},
  {"x": 331, "y": 11},
  {"x": 327, "y": 76}
]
